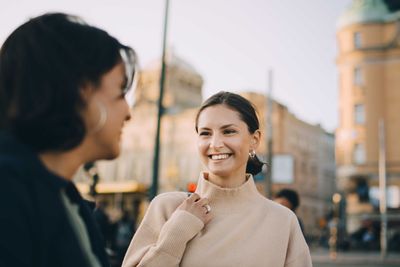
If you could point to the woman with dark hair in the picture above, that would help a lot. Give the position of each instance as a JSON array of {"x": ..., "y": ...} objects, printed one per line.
[
  {"x": 226, "y": 222},
  {"x": 62, "y": 88}
]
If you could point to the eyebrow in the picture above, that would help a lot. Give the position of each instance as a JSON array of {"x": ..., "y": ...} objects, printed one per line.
[
  {"x": 222, "y": 127},
  {"x": 227, "y": 126}
]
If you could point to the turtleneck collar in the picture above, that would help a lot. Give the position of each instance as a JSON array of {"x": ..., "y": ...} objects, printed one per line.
[{"x": 227, "y": 199}]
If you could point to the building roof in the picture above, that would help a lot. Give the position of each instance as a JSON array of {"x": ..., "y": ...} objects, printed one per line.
[
  {"x": 366, "y": 11},
  {"x": 173, "y": 60}
]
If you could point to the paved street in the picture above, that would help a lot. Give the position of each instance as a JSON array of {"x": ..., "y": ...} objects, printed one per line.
[{"x": 354, "y": 259}]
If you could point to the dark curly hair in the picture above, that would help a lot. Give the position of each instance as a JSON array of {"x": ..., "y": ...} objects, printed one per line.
[
  {"x": 43, "y": 65},
  {"x": 291, "y": 196},
  {"x": 247, "y": 114}
]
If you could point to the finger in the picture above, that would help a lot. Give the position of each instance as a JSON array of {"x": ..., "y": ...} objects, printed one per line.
[
  {"x": 203, "y": 201},
  {"x": 207, "y": 208},
  {"x": 194, "y": 197}
]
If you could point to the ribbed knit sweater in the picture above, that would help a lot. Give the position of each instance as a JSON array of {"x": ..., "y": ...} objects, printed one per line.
[{"x": 246, "y": 230}]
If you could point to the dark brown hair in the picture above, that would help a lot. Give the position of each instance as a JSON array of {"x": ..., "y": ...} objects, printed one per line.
[{"x": 43, "y": 65}]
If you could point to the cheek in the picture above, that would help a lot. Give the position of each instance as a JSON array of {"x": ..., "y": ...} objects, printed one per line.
[
  {"x": 240, "y": 144},
  {"x": 202, "y": 146},
  {"x": 117, "y": 115},
  {"x": 243, "y": 147}
]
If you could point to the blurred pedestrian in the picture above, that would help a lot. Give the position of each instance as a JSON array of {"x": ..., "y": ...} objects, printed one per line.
[
  {"x": 62, "y": 87},
  {"x": 226, "y": 222},
  {"x": 290, "y": 199},
  {"x": 367, "y": 236}
]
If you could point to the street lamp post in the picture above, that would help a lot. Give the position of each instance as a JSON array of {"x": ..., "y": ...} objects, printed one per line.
[
  {"x": 382, "y": 189},
  {"x": 156, "y": 159},
  {"x": 268, "y": 124}
]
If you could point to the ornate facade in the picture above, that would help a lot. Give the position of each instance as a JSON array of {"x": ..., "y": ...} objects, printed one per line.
[{"x": 369, "y": 79}]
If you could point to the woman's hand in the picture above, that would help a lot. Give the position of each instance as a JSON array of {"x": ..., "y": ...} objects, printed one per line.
[{"x": 197, "y": 206}]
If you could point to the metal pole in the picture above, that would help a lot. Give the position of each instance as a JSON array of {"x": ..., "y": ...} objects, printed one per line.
[
  {"x": 156, "y": 159},
  {"x": 268, "y": 124},
  {"x": 382, "y": 188}
]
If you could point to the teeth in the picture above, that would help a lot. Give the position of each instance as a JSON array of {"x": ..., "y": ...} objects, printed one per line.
[{"x": 220, "y": 156}]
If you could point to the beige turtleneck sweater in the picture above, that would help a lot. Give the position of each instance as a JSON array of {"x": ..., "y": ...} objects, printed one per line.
[{"x": 246, "y": 230}]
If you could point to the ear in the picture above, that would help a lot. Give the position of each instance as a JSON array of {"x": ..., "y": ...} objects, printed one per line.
[
  {"x": 256, "y": 138},
  {"x": 86, "y": 91}
]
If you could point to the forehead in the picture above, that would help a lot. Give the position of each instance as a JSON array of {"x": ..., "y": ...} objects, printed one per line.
[
  {"x": 219, "y": 115},
  {"x": 115, "y": 74},
  {"x": 118, "y": 71},
  {"x": 113, "y": 79}
]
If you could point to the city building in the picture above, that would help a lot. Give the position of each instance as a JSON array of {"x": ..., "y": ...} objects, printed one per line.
[
  {"x": 304, "y": 160},
  {"x": 369, "y": 80}
]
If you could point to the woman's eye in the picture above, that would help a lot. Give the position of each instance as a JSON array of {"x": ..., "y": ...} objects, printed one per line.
[
  {"x": 229, "y": 131},
  {"x": 124, "y": 85},
  {"x": 204, "y": 133}
]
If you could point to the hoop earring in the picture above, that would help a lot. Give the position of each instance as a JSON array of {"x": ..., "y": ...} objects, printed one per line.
[
  {"x": 252, "y": 154},
  {"x": 102, "y": 117}
]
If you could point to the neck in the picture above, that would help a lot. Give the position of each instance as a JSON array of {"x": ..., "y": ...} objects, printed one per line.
[
  {"x": 227, "y": 200},
  {"x": 230, "y": 181},
  {"x": 63, "y": 164}
]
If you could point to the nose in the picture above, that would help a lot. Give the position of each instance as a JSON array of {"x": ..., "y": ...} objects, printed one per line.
[
  {"x": 216, "y": 141},
  {"x": 127, "y": 111}
]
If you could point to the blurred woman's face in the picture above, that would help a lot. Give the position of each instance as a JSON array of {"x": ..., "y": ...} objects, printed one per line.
[
  {"x": 106, "y": 112},
  {"x": 224, "y": 141}
]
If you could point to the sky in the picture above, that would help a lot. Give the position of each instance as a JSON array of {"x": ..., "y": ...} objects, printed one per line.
[{"x": 231, "y": 43}]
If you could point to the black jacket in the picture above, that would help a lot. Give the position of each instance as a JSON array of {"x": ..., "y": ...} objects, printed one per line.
[{"x": 34, "y": 228}]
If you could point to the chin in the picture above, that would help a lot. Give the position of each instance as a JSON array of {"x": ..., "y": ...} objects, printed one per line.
[
  {"x": 110, "y": 157},
  {"x": 112, "y": 153},
  {"x": 219, "y": 173},
  {"x": 115, "y": 154}
]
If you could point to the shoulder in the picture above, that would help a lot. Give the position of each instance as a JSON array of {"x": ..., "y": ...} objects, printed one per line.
[
  {"x": 16, "y": 200},
  {"x": 9, "y": 164},
  {"x": 13, "y": 174},
  {"x": 277, "y": 210},
  {"x": 24, "y": 180},
  {"x": 14, "y": 169}
]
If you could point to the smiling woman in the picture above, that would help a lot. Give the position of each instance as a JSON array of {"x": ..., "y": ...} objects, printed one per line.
[
  {"x": 226, "y": 222},
  {"x": 224, "y": 143}
]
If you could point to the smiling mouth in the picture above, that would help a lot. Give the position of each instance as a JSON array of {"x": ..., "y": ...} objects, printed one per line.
[{"x": 219, "y": 156}]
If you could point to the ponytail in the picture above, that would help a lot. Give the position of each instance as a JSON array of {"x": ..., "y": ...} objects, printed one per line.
[{"x": 254, "y": 165}]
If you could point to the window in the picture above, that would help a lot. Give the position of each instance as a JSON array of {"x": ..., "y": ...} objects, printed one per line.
[
  {"x": 357, "y": 40},
  {"x": 359, "y": 154},
  {"x": 392, "y": 196},
  {"x": 359, "y": 114},
  {"x": 358, "y": 79}
]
